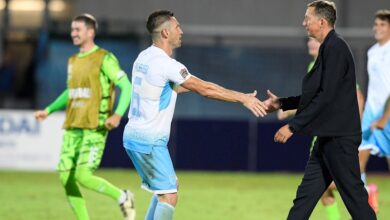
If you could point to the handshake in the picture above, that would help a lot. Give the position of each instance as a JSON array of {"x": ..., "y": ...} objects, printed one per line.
[
  {"x": 259, "y": 108},
  {"x": 269, "y": 105}
]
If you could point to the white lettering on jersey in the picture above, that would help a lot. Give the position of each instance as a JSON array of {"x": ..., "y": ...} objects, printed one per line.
[{"x": 80, "y": 93}]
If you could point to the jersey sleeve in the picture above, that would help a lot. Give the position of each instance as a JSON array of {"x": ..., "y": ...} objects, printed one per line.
[
  {"x": 125, "y": 96},
  {"x": 176, "y": 72},
  {"x": 59, "y": 103},
  {"x": 112, "y": 69}
]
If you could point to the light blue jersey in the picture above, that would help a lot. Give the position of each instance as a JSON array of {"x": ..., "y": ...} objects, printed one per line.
[
  {"x": 154, "y": 78},
  {"x": 378, "y": 91}
]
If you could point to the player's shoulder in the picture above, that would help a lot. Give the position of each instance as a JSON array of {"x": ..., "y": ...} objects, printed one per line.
[
  {"x": 157, "y": 60},
  {"x": 373, "y": 49},
  {"x": 110, "y": 57},
  {"x": 105, "y": 53},
  {"x": 102, "y": 50},
  {"x": 151, "y": 54},
  {"x": 386, "y": 46},
  {"x": 162, "y": 60}
]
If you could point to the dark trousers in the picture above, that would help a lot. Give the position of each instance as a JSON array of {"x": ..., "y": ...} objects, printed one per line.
[{"x": 333, "y": 158}]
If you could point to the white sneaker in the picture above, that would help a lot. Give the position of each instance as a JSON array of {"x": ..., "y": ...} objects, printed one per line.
[{"x": 127, "y": 207}]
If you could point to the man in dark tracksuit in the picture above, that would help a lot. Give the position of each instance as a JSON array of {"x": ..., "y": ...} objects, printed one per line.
[{"x": 327, "y": 108}]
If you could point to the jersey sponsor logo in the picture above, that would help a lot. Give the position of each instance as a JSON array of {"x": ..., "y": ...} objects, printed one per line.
[
  {"x": 80, "y": 93},
  {"x": 184, "y": 73},
  {"x": 77, "y": 104},
  {"x": 142, "y": 68}
]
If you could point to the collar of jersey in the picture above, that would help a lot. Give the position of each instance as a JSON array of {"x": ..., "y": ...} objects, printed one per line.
[
  {"x": 159, "y": 50},
  {"x": 83, "y": 54}
]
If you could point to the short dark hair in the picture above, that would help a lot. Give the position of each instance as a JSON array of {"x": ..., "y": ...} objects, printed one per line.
[
  {"x": 325, "y": 9},
  {"x": 157, "y": 18},
  {"x": 89, "y": 20},
  {"x": 383, "y": 14}
]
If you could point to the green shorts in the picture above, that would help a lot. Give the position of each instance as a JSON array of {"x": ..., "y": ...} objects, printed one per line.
[{"x": 82, "y": 148}]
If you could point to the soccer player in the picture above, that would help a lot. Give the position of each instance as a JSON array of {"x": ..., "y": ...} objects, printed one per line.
[
  {"x": 376, "y": 132},
  {"x": 157, "y": 79},
  {"x": 92, "y": 75}
]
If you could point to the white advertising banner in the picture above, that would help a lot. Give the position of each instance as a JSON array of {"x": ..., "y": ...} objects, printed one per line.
[{"x": 26, "y": 144}]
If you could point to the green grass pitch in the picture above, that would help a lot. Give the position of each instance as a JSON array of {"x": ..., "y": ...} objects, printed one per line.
[{"x": 202, "y": 196}]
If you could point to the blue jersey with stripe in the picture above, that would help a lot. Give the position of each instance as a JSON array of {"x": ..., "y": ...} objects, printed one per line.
[
  {"x": 155, "y": 76},
  {"x": 378, "y": 67}
]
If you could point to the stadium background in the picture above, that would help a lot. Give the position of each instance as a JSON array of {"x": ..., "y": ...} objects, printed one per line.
[{"x": 242, "y": 45}]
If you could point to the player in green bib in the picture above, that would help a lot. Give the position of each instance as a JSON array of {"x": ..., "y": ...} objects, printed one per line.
[{"x": 93, "y": 74}]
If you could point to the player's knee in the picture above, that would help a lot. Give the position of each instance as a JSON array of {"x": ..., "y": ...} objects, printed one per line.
[
  {"x": 64, "y": 178},
  {"x": 170, "y": 198},
  {"x": 83, "y": 177}
]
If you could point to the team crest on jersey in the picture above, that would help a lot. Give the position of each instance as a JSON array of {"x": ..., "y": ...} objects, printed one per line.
[{"x": 184, "y": 73}]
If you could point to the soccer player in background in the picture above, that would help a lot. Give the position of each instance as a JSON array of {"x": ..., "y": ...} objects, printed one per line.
[
  {"x": 157, "y": 79},
  {"x": 328, "y": 199},
  {"x": 93, "y": 74},
  {"x": 375, "y": 123}
]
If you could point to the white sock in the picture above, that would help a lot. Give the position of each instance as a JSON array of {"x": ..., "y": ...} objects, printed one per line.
[{"x": 122, "y": 198}]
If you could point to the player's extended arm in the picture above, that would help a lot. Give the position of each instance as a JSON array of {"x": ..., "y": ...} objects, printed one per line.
[
  {"x": 382, "y": 122},
  {"x": 125, "y": 96},
  {"x": 214, "y": 91},
  {"x": 58, "y": 104},
  {"x": 180, "y": 89},
  {"x": 123, "y": 103}
]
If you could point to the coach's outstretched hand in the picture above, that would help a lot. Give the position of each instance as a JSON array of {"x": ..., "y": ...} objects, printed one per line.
[
  {"x": 41, "y": 115},
  {"x": 272, "y": 103},
  {"x": 257, "y": 107}
]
